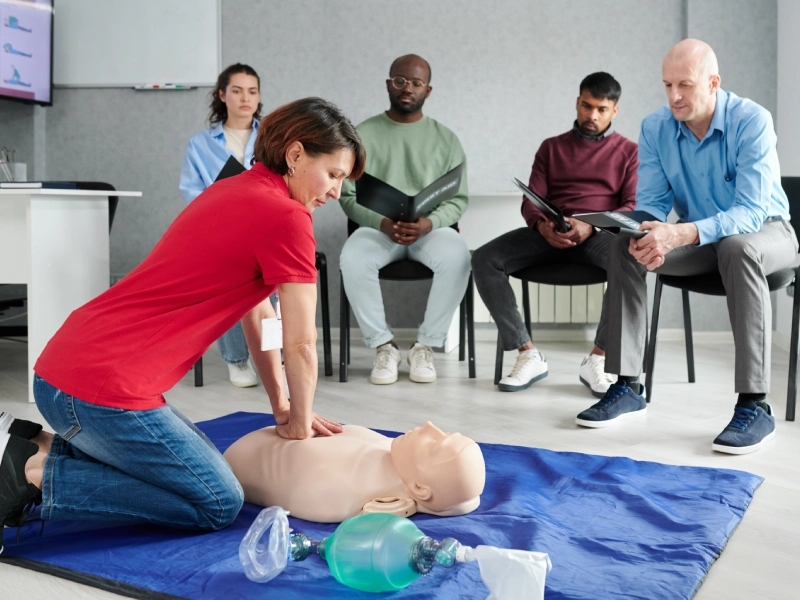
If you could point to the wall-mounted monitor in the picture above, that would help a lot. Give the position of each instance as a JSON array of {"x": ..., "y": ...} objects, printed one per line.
[{"x": 26, "y": 50}]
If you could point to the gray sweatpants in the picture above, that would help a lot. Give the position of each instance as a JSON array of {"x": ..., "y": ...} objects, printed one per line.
[{"x": 743, "y": 261}]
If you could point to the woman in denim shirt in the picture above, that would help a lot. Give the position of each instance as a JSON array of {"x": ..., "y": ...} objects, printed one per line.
[{"x": 235, "y": 111}]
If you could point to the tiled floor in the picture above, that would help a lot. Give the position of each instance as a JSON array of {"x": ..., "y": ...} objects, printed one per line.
[{"x": 680, "y": 425}]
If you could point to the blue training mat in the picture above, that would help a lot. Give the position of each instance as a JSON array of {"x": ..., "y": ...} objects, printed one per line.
[{"x": 613, "y": 527}]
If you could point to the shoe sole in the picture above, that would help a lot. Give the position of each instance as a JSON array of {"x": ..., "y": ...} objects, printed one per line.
[
  {"x": 386, "y": 381},
  {"x": 504, "y": 387},
  {"x": 6, "y": 419},
  {"x": 423, "y": 379},
  {"x": 595, "y": 394},
  {"x": 244, "y": 385},
  {"x": 742, "y": 449},
  {"x": 599, "y": 424}
]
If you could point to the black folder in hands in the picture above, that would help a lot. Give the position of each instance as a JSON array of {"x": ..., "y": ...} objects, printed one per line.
[
  {"x": 230, "y": 168},
  {"x": 624, "y": 222},
  {"x": 393, "y": 204},
  {"x": 547, "y": 208}
]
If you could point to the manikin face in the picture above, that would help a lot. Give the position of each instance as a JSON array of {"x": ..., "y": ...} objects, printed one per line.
[
  {"x": 595, "y": 114},
  {"x": 439, "y": 470},
  {"x": 317, "y": 178},
  {"x": 691, "y": 92},
  {"x": 241, "y": 97}
]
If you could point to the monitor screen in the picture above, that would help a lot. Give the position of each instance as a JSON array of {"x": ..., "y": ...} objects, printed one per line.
[{"x": 26, "y": 55}]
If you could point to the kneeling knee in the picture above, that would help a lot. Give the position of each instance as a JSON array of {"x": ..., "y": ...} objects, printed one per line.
[{"x": 225, "y": 511}]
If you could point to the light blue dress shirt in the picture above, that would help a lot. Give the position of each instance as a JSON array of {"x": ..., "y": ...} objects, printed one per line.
[
  {"x": 727, "y": 183},
  {"x": 205, "y": 156}
]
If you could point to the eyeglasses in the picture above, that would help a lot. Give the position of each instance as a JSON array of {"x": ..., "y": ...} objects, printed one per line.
[{"x": 399, "y": 83}]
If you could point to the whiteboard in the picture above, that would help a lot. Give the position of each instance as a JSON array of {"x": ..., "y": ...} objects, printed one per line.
[{"x": 123, "y": 43}]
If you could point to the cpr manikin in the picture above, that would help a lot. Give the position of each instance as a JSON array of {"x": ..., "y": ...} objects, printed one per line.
[{"x": 330, "y": 479}]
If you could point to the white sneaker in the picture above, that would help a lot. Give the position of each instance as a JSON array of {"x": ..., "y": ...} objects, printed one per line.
[
  {"x": 593, "y": 375},
  {"x": 384, "y": 371},
  {"x": 242, "y": 375},
  {"x": 531, "y": 366},
  {"x": 420, "y": 358}
]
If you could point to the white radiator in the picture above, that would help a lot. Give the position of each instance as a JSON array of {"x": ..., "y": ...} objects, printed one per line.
[{"x": 553, "y": 304}]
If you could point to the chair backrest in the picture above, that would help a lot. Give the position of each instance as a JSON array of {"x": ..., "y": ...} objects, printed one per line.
[
  {"x": 103, "y": 187},
  {"x": 791, "y": 185}
]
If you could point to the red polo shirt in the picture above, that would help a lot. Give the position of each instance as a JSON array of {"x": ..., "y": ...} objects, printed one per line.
[{"x": 225, "y": 253}]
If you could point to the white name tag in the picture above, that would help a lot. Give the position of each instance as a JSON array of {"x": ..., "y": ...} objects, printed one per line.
[{"x": 271, "y": 334}]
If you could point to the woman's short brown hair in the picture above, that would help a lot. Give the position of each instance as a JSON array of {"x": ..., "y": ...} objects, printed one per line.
[{"x": 317, "y": 124}]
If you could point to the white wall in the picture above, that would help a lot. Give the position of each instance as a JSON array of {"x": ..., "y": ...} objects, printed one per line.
[{"x": 788, "y": 126}]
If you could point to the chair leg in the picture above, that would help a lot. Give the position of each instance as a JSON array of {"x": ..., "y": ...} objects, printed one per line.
[
  {"x": 650, "y": 354},
  {"x": 687, "y": 328},
  {"x": 344, "y": 334},
  {"x": 526, "y": 307},
  {"x": 471, "y": 326},
  {"x": 198, "y": 372},
  {"x": 498, "y": 360},
  {"x": 322, "y": 266},
  {"x": 462, "y": 325},
  {"x": 791, "y": 397}
]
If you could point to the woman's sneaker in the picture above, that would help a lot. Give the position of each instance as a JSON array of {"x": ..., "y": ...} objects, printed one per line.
[
  {"x": 27, "y": 430},
  {"x": 749, "y": 429},
  {"x": 593, "y": 375},
  {"x": 384, "y": 371},
  {"x": 620, "y": 402},
  {"x": 17, "y": 496},
  {"x": 242, "y": 375},
  {"x": 420, "y": 361},
  {"x": 531, "y": 366}
]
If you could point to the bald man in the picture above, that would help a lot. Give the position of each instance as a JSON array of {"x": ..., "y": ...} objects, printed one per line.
[
  {"x": 711, "y": 157},
  {"x": 408, "y": 151}
]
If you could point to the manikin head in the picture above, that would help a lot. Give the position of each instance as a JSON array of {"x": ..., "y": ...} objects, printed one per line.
[{"x": 443, "y": 472}]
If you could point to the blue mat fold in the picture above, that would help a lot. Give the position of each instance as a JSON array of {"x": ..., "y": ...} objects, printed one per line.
[{"x": 613, "y": 527}]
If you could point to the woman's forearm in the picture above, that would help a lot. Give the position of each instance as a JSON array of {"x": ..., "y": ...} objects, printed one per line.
[{"x": 267, "y": 363}]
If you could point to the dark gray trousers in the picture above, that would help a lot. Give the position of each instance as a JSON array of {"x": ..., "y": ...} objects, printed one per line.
[
  {"x": 743, "y": 261},
  {"x": 515, "y": 250}
]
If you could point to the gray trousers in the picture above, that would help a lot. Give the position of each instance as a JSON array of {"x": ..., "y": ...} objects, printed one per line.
[
  {"x": 743, "y": 261},
  {"x": 515, "y": 250}
]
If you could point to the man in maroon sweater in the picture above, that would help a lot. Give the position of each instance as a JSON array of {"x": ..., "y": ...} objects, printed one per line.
[{"x": 588, "y": 169}]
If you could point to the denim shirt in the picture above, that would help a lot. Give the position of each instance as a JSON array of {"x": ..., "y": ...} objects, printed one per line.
[
  {"x": 205, "y": 156},
  {"x": 727, "y": 183}
]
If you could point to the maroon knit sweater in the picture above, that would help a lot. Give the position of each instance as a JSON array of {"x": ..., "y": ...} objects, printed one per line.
[{"x": 581, "y": 175}]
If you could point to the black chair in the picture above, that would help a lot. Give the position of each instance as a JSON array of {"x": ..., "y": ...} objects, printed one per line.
[
  {"x": 322, "y": 269},
  {"x": 5, "y": 304},
  {"x": 566, "y": 273},
  {"x": 408, "y": 270},
  {"x": 711, "y": 284}
]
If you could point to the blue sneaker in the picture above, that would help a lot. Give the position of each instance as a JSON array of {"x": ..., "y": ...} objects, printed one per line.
[
  {"x": 620, "y": 402},
  {"x": 747, "y": 432}
]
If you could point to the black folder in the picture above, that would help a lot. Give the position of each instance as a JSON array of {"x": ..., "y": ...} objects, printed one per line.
[
  {"x": 390, "y": 202},
  {"x": 624, "y": 222},
  {"x": 547, "y": 208},
  {"x": 230, "y": 168}
]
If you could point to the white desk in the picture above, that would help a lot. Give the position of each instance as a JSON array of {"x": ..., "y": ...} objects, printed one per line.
[{"x": 55, "y": 242}]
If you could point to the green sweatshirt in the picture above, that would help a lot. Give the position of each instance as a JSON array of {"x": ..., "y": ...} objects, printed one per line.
[{"x": 408, "y": 156}]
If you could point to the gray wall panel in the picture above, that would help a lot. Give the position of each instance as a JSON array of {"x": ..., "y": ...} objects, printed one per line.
[
  {"x": 505, "y": 76},
  {"x": 16, "y": 130}
]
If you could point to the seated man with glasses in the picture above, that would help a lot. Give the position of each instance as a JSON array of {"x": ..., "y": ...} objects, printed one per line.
[
  {"x": 408, "y": 151},
  {"x": 590, "y": 168}
]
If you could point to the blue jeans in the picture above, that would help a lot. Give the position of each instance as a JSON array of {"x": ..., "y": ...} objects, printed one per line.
[
  {"x": 151, "y": 466},
  {"x": 233, "y": 346}
]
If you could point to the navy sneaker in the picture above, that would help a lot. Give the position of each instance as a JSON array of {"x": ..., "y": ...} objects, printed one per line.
[
  {"x": 620, "y": 402},
  {"x": 748, "y": 430}
]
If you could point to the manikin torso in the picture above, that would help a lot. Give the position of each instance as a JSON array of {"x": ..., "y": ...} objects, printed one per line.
[{"x": 345, "y": 471}]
